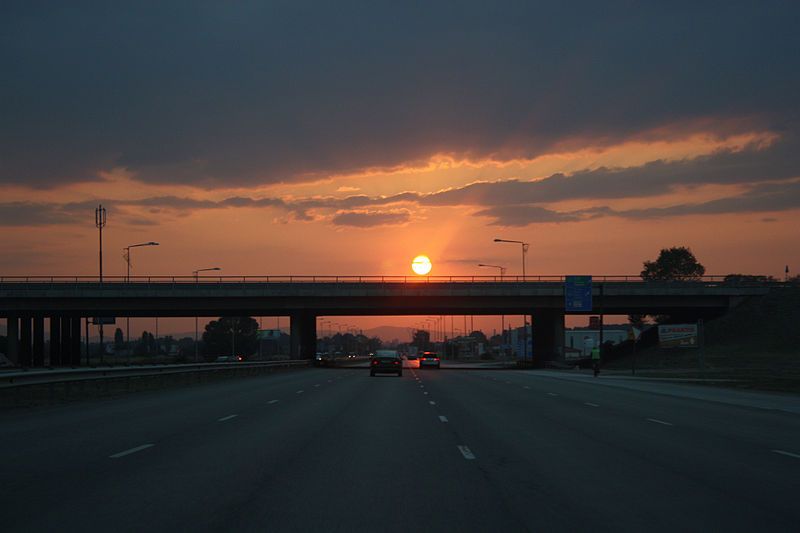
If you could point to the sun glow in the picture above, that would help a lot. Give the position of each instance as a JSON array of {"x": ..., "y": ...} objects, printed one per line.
[{"x": 421, "y": 265}]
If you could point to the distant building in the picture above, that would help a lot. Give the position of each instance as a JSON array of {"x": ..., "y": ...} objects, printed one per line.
[{"x": 581, "y": 341}]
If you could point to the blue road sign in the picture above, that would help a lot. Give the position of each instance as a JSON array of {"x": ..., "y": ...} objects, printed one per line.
[{"x": 578, "y": 294}]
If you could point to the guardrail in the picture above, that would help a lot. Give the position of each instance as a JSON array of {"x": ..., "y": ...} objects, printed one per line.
[
  {"x": 199, "y": 280},
  {"x": 63, "y": 375}
]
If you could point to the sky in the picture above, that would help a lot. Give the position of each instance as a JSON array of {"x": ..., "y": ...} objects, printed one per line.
[{"x": 345, "y": 138}]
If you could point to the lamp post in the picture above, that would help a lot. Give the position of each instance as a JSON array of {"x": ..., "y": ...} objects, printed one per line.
[
  {"x": 502, "y": 317},
  {"x": 100, "y": 223},
  {"x": 197, "y": 280},
  {"x": 524, "y": 246},
  {"x": 126, "y": 254}
]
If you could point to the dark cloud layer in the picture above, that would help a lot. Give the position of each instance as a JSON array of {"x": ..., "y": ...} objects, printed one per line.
[
  {"x": 221, "y": 93},
  {"x": 368, "y": 219}
]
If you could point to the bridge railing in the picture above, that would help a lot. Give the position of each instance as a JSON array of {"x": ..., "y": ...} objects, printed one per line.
[{"x": 197, "y": 280}]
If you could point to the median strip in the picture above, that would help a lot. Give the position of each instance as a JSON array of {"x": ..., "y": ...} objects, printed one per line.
[{"x": 130, "y": 451}]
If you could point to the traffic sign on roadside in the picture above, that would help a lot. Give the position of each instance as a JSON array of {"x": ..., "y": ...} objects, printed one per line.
[{"x": 578, "y": 294}]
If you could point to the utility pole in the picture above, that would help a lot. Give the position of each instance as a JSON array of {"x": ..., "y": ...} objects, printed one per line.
[{"x": 100, "y": 223}]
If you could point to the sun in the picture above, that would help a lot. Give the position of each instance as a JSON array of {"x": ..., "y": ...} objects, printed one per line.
[{"x": 421, "y": 265}]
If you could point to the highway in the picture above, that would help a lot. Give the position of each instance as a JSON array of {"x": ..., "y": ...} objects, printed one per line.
[{"x": 447, "y": 450}]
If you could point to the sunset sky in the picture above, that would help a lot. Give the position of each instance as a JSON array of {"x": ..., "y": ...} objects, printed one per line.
[{"x": 345, "y": 138}]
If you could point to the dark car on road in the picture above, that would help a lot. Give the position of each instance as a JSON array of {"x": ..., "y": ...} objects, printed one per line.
[
  {"x": 386, "y": 363},
  {"x": 429, "y": 359}
]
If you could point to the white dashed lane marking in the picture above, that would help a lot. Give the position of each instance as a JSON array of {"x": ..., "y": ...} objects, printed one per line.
[
  {"x": 468, "y": 455},
  {"x": 590, "y": 404},
  {"x": 273, "y": 401},
  {"x": 787, "y": 454},
  {"x": 443, "y": 418},
  {"x": 130, "y": 451},
  {"x": 657, "y": 421},
  {"x": 300, "y": 392},
  {"x": 224, "y": 418},
  {"x": 432, "y": 403},
  {"x": 552, "y": 394}
]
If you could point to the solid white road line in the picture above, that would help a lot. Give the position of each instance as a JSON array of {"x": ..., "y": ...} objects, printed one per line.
[
  {"x": 590, "y": 404},
  {"x": 273, "y": 401},
  {"x": 224, "y": 418},
  {"x": 132, "y": 450},
  {"x": 788, "y": 454},
  {"x": 432, "y": 403},
  {"x": 443, "y": 418},
  {"x": 657, "y": 421},
  {"x": 468, "y": 455}
]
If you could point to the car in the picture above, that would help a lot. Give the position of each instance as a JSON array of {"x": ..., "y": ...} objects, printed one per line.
[
  {"x": 386, "y": 363},
  {"x": 430, "y": 359}
]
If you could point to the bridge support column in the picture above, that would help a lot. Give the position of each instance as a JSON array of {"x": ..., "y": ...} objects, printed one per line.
[
  {"x": 55, "y": 341},
  {"x": 303, "y": 335},
  {"x": 38, "y": 341},
  {"x": 25, "y": 337},
  {"x": 12, "y": 331},
  {"x": 66, "y": 341},
  {"x": 548, "y": 335},
  {"x": 75, "y": 341}
]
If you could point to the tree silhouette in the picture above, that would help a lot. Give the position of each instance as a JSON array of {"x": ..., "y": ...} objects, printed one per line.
[
  {"x": 217, "y": 336},
  {"x": 677, "y": 263}
]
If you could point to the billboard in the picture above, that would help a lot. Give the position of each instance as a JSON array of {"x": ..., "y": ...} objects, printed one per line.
[{"x": 677, "y": 336}]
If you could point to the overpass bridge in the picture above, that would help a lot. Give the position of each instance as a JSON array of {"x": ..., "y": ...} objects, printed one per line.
[{"x": 26, "y": 301}]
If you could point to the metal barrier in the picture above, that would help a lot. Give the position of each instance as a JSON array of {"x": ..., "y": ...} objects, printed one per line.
[{"x": 44, "y": 377}]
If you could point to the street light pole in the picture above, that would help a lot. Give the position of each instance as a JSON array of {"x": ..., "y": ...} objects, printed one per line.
[
  {"x": 127, "y": 256},
  {"x": 524, "y": 246},
  {"x": 197, "y": 280},
  {"x": 100, "y": 223},
  {"x": 502, "y": 317}
]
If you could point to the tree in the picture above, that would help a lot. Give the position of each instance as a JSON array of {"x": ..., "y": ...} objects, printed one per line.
[
  {"x": 674, "y": 264},
  {"x": 119, "y": 340},
  {"x": 421, "y": 339},
  {"x": 217, "y": 336}
]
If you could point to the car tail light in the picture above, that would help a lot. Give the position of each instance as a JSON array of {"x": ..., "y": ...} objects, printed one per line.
[
  {"x": 396, "y": 362},
  {"x": 375, "y": 362},
  {"x": 436, "y": 359}
]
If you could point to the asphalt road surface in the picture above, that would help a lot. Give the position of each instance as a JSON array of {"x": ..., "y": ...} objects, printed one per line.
[{"x": 448, "y": 450}]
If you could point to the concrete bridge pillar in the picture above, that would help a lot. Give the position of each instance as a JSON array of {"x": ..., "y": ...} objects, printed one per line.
[
  {"x": 55, "y": 341},
  {"x": 12, "y": 332},
  {"x": 38, "y": 341},
  {"x": 75, "y": 341},
  {"x": 303, "y": 333},
  {"x": 548, "y": 335},
  {"x": 66, "y": 341},
  {"x": 25, "y": 337}
]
